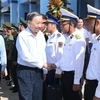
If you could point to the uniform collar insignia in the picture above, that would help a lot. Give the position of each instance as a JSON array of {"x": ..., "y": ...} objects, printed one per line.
[
  {"x": 58, "y": 35},
  {"x": 98, "y": 38},
  {"x": 71, "y": 36}
]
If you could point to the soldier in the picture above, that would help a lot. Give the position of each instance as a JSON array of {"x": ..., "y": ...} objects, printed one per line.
[
  {"x": 8, "y": 43},
  {"x": 72, "y": 60},
  {"x": 92, "y": 86},
  {"x": 22, "y": 24},
  {"x": 14, "y": 30}
]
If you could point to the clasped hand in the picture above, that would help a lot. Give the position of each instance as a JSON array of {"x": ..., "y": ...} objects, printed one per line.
[{"x": 49, "y": 66}]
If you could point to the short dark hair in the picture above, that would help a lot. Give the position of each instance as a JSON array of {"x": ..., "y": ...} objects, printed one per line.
[
  {"x": 74, "y": 23},
  {"x": 31, "y": 15}
]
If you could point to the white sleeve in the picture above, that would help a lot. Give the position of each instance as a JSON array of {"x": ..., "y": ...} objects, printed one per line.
[
  {"x": 3, "y": 54},
  {"x": 45, "y": 71},
  {"x": 59, "y": 47},
  {"x": 97, "y": 93},
  {"x": 58, "y": 70},
  {"x": 59, "y": 52},
  {"x": 79, "y": 49}
]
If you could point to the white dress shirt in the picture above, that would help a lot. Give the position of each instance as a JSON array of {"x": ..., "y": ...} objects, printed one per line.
[
  {"x": 73, "y": 56},
  {"x": 93, "y": 70},
  {"x": 31, "y": 49},
  {"x": 54, "y": 48},
  {"x": 3, "y": 58}
]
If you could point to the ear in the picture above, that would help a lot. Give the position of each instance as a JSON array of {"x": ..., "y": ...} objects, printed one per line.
[
  {"x": 97, "y": 22},
  {"x": 28, "y": 23}
]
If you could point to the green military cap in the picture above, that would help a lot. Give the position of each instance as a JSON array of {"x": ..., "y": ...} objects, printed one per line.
[
  {"x": 14, "y": 27},
  {"x": 7, "y": 24},
  {"x": 1, "y": 30},
  {"x": 23, "y": 22},
  {"x": 44, "y": 18}
]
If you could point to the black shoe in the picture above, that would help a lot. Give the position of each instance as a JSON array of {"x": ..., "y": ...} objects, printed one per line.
[
  {"x": 10, "y": 83},
  {"x": 7, "y": 78},
  {"x": 14, "y": 91},
  {"x": 12, "y": 88}
]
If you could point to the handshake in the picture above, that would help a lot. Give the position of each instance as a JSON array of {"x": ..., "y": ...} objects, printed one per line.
[{"x": 49, "y": 66}]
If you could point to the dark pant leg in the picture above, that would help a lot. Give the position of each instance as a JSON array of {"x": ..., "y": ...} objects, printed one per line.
[
  {"x": 37, "y": 87},
  {"x": 67, "y": 84},
  {"x": 50, "y": 77},
  {"x": 14, "y": 75},
  {"x": 90, "y": 88},
  {"x": 86, "y": 61},
  {"x": 44, "y": 96},
  {"x": 9, "y": 68},
  {"x": 30, "y": 84}
]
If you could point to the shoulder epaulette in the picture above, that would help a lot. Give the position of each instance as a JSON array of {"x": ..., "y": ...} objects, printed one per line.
[
  {"x": 78, "y": 36},
  {"x": 98, "y": 38},
  {"x": 58, "y": 35},
  {"x": 71, "y": 36},
  {"x": 46, "y": 33}
]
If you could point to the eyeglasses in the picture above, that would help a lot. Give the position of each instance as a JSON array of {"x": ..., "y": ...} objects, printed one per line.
[{"x": 62, "y": 25}]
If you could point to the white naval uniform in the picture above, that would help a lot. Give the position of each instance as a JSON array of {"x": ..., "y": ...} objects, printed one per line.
[
  {"x": 54, "y": 48},
  {"x": 73, "y": 56},
  {"x": 93, "y": 70}
]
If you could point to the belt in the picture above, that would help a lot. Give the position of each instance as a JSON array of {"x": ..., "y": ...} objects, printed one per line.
[
  {"x": 91, "y": 81},
  {"x": 22, "y": 67},
  {"x": 68, "y": 72}
]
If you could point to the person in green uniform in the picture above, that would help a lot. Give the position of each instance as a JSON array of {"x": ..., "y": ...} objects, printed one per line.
[
  {"x": 8, "y": 43},
  {"x": 14, "y": 31},
  {"x": 22, "y": 24}
]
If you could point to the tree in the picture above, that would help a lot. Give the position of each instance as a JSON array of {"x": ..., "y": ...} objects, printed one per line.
[{"x": 55, "y": 5}]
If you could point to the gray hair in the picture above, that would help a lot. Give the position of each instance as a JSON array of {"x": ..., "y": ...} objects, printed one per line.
[{"x": 31, "y": 15}]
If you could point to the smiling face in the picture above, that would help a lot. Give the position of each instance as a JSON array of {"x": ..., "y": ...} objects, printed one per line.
[
  {"x": 80, "y": 24},
  {"x": 35, "y": 24},
  {"x": 89, "y": 24}
]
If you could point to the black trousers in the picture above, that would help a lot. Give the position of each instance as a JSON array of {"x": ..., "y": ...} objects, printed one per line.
[
  {"x": 30, "y": 83},
  {"x": 90, "y": 88},
  {"x": 67, "y": 87},
  {"x": 14, "y": 75},
  {"x": 8, "y": 66}
]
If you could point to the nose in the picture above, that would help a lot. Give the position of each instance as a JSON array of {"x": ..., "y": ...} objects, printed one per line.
[{"x": 40, "y": 25}]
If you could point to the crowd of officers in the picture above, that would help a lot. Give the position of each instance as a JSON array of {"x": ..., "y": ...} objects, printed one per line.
[{"x": 68, "y": 52}]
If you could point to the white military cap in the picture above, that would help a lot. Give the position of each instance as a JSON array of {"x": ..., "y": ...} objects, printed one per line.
[
  {"x": 66, "y": 15},
  {"x": 93, "y": 13}
]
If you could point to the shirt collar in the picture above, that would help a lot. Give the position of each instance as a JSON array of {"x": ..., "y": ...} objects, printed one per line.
[
  {"x": 56, "y": 32},
  {"x": 71, "y": 36},
  {"x": 30, "y": 33}
]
